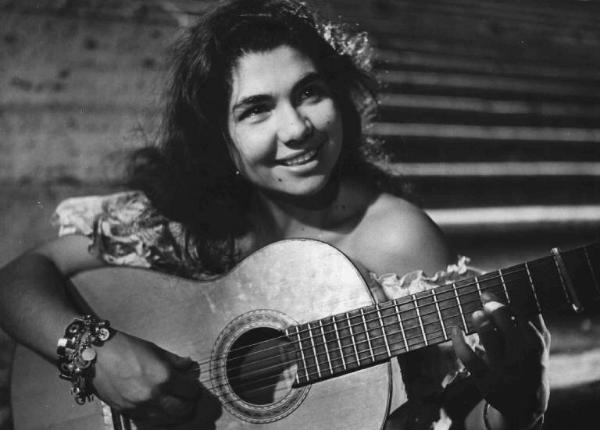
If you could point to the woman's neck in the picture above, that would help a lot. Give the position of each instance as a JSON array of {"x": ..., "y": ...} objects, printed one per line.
[{"x": 277, "y": 217}]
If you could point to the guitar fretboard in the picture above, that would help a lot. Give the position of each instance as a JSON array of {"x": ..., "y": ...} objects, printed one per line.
[{"x": 367, "y": 336}]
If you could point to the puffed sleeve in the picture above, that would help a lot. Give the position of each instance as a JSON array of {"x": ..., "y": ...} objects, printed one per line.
[
  {"x": 436, "y": 383},
  {"x": 125, "y": 230}
]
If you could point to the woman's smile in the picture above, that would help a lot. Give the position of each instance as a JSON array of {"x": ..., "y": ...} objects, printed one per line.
[{"x": 301, "y": 158}]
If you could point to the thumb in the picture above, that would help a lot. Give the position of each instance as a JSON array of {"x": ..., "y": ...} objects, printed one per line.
[{"x": 465, "y": 353}]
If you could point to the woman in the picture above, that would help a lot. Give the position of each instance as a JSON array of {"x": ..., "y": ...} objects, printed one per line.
[{"x": 263, "y": 142}]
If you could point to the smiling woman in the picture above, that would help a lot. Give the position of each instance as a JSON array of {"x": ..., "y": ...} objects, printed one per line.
[
  {"x": 263, "y": 150},
  {"x": 285, "y": 127}
]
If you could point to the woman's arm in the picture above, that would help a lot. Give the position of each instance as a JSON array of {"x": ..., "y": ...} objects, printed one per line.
[
  {"x": 512, "y": 377},
  {"x": 132, "y": 375},
  {"x": 34, "y": 308}
]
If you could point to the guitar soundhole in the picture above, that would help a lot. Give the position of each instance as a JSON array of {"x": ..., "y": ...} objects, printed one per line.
[{"x": 260, "y": 366}]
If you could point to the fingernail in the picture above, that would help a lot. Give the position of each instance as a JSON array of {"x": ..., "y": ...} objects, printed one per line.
[
  {"x": 478, "y": 315},
  {"x": 492, "y": 306}
]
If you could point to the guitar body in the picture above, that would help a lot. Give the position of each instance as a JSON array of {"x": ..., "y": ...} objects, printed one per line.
[{"x": 281, "y": 285}]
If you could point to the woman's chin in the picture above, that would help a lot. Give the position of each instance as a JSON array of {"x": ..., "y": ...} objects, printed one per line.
[{"x": 312, "y": 192}]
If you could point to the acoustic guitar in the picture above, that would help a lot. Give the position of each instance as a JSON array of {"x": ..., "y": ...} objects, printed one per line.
[{"x": 291, "y": 338}]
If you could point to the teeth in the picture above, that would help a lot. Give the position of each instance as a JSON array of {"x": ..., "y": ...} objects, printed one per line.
[{"x": 301, "y": 159}]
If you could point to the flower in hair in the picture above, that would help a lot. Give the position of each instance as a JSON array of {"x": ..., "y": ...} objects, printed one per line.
[{"x": 356, "y": 46}]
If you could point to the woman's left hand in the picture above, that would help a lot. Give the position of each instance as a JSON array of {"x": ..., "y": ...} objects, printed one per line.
[{"x": 513, "y": 373}]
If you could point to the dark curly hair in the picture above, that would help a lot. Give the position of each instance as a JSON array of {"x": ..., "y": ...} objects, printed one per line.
[{"x": 189, "y": 176}]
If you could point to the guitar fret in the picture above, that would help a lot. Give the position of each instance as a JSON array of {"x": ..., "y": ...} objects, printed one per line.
[
  {"x": 556, "y": 257},
  {"x": 326, "y": 347},
  {"x": 339, "y": 342},
  {"x": 478, "y": 286},
  {"x": 504, "y": 287},
  {"x": 312, "y": 342},
  {"x": 414, "y": 299},
  {"x": 362, "y": 314},
  {"x": 589, "y": 263},
  {"x": 462, "y": 314},
  {"x": 301, "y": 356},
  {"x": 437, "y": 307},
  {"x": 387, "y": 346},
  {"x": 565, "y": 280},
  {"x": 535, "y": 296},
  {"x": 352, "y": 338},
  {"x": 401, "y": 325}
]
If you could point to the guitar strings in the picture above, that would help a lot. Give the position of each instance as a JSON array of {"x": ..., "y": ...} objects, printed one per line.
[
  {"x": 393, "y": 303},
  {"x": 374, "y": 358},
  {"x": 433, "y": 338},
  {"x": 390, "y": 305},
  {"x": 386, "y": 305},
  {"x": 329, "y": 372},
  {"x": 408, "y": 339}
]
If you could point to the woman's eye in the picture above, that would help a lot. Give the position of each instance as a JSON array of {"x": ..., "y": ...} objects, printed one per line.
[
  {"x": 254, "y": 111},
  {"x": 313, "y": 92}
]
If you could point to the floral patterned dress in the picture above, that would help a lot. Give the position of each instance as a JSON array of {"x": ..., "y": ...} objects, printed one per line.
[{"x": 126, "y": 230}]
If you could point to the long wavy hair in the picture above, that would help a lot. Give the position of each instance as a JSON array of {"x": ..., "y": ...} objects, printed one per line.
[{"x": 189, "y": 175}]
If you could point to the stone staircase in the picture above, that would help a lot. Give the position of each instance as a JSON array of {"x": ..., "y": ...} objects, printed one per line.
[{"x": 490, "y": 116}]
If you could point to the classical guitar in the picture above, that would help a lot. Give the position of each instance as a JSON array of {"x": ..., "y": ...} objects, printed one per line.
[{"x": 291, "y": 338}]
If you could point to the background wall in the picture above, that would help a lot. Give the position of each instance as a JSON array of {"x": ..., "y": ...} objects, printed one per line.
[{"x": 490, "y": 115}]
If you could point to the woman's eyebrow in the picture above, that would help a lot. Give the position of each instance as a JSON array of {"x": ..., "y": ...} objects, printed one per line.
[
  {"x": 261, "y": 98},
  {"x": 308, "y": 79},
  {"x": 251, "y": 100}
]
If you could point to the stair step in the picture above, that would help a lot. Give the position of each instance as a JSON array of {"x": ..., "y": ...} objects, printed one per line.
[
  {"x": 400, "y": 81},
  {"x": 474, "y": 132},
  {"x": 465, "y": 219},
  {"x": 387, "y": 59},
  {"x": 490, "y": 106},
  {"x": 496, "y": 169},
  {"x": 473, "y": 111},
  {"x": 434, "y": 189},
  {"x": 429, "y": 44},
  {"x": 427, "y": 149},
  {"x": 533, "y": 12}
]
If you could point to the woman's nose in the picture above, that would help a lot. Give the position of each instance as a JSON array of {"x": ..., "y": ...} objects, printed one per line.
[{"x": 294, "y": 127}]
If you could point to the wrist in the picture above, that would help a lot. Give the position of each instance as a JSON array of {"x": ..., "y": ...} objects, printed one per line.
[{"x": 77, "y": 353}]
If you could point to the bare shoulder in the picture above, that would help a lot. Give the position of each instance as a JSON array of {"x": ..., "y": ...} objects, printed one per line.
[
  {"x": 70, "y": 254},
  {"x": 397, "y": 236}
]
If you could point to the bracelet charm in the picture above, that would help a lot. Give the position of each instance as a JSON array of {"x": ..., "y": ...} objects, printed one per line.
[{"x": 77, "y": 355}]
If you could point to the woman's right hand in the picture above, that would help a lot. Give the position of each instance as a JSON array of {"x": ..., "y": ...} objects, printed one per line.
[{"x": 146, "y": 383}]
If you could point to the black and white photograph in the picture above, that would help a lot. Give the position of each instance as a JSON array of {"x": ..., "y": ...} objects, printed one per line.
[{"x": 299, "y": 214}]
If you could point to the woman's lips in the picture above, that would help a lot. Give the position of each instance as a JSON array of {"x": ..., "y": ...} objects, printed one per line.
[{"x": 303, "y": 158}]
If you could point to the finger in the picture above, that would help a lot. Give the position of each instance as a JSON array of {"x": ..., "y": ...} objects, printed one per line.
[
  {"x": 490, "y": 338},
  {"x": 503, "y": 318},
  {"x": 540, "y": 325},
  {"x": 489, "y": 297},
  {"x": 183, "y": 385},
  {"x": 535, "y": 340},
  {"x": 178, "y": 362},
  {"x": 176, "y": 408},
  {"x": 465, "y": 353}
]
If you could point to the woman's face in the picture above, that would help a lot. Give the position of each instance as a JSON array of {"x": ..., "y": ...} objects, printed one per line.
[{"x": 285, "y": 128}]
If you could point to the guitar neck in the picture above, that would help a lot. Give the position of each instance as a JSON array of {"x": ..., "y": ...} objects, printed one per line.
[{"x": 367, "y": 336}]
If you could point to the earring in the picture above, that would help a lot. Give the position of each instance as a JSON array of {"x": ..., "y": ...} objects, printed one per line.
[{"x": 237, "y": 172}]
